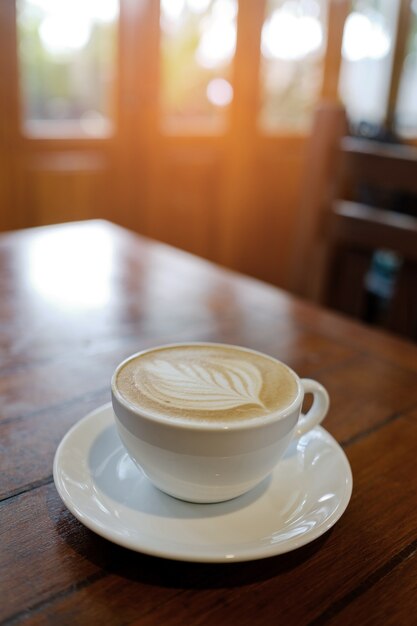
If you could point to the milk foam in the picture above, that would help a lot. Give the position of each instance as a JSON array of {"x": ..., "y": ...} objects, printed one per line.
[
  {"x": 206, "y": 382},
  {"x": 215, "y": 384}
]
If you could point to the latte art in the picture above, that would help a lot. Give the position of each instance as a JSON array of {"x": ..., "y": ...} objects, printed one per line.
[
  {"x": 206, "y": 382},
  {"x": 211, "y": 385}
]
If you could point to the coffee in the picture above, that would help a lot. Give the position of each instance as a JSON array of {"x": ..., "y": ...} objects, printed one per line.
[{"x": 206, "y": 382}]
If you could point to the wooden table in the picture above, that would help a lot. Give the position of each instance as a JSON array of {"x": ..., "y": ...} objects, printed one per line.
[{"x": 75, "y": 300}]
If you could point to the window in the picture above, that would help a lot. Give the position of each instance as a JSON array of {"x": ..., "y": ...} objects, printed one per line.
[
  {"x": 67, "y": 58},
  {"x": 368, "y": 43},
  {"x": 198, "y": 40},
  {"x": 406, "y": 112},
  {"x": 292, "y": 45}
]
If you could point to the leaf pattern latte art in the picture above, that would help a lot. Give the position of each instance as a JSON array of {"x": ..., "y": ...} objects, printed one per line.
[{"x": 210, "y": 385}]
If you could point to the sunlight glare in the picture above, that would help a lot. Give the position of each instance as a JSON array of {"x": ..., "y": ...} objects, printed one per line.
[
  {"x": 102, "y": 10},
  {"x": 72, "y": 268},
  {"x": 226, "y": 10},
  {"x": 219, "y": 92},
  {"x": 290, "y": 37},
  {"x": 217, "y": 44},
  {"x": 64, "y": 33},
  {"x": 198, "y": 6},
  {"x": 365, "y": 38},
  {"x": 66, "y": 26},
  {"x": 172, "y": 9}
]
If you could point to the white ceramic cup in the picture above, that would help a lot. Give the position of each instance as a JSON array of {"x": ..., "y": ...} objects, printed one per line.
[{"x": 201, "y": 462}]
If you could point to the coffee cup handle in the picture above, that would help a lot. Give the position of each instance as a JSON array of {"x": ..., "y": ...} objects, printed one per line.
[{"x": 318, "y": 410}]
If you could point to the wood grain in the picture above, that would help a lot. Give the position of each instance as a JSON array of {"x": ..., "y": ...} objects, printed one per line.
[
  {"x": 57, "y": 356},
  {"x": 392, "y": 598}
]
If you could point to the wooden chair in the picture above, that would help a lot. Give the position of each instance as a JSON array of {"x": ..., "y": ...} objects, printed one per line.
[
  {"x": 309, "y": 258},
  {"x": 346, "y": 179}
]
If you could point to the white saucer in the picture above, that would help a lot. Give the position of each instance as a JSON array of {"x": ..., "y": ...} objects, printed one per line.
[{"x": 304, "y": 496}]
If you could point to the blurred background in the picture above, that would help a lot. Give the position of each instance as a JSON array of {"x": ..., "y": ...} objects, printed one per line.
[{"x": 228, "y": 128}]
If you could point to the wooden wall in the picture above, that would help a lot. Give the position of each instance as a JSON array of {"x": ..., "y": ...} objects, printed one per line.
[{"x": 182, "y": 203}]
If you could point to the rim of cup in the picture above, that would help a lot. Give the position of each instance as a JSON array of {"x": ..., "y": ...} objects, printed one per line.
[{"x": 184, "y": 424}]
